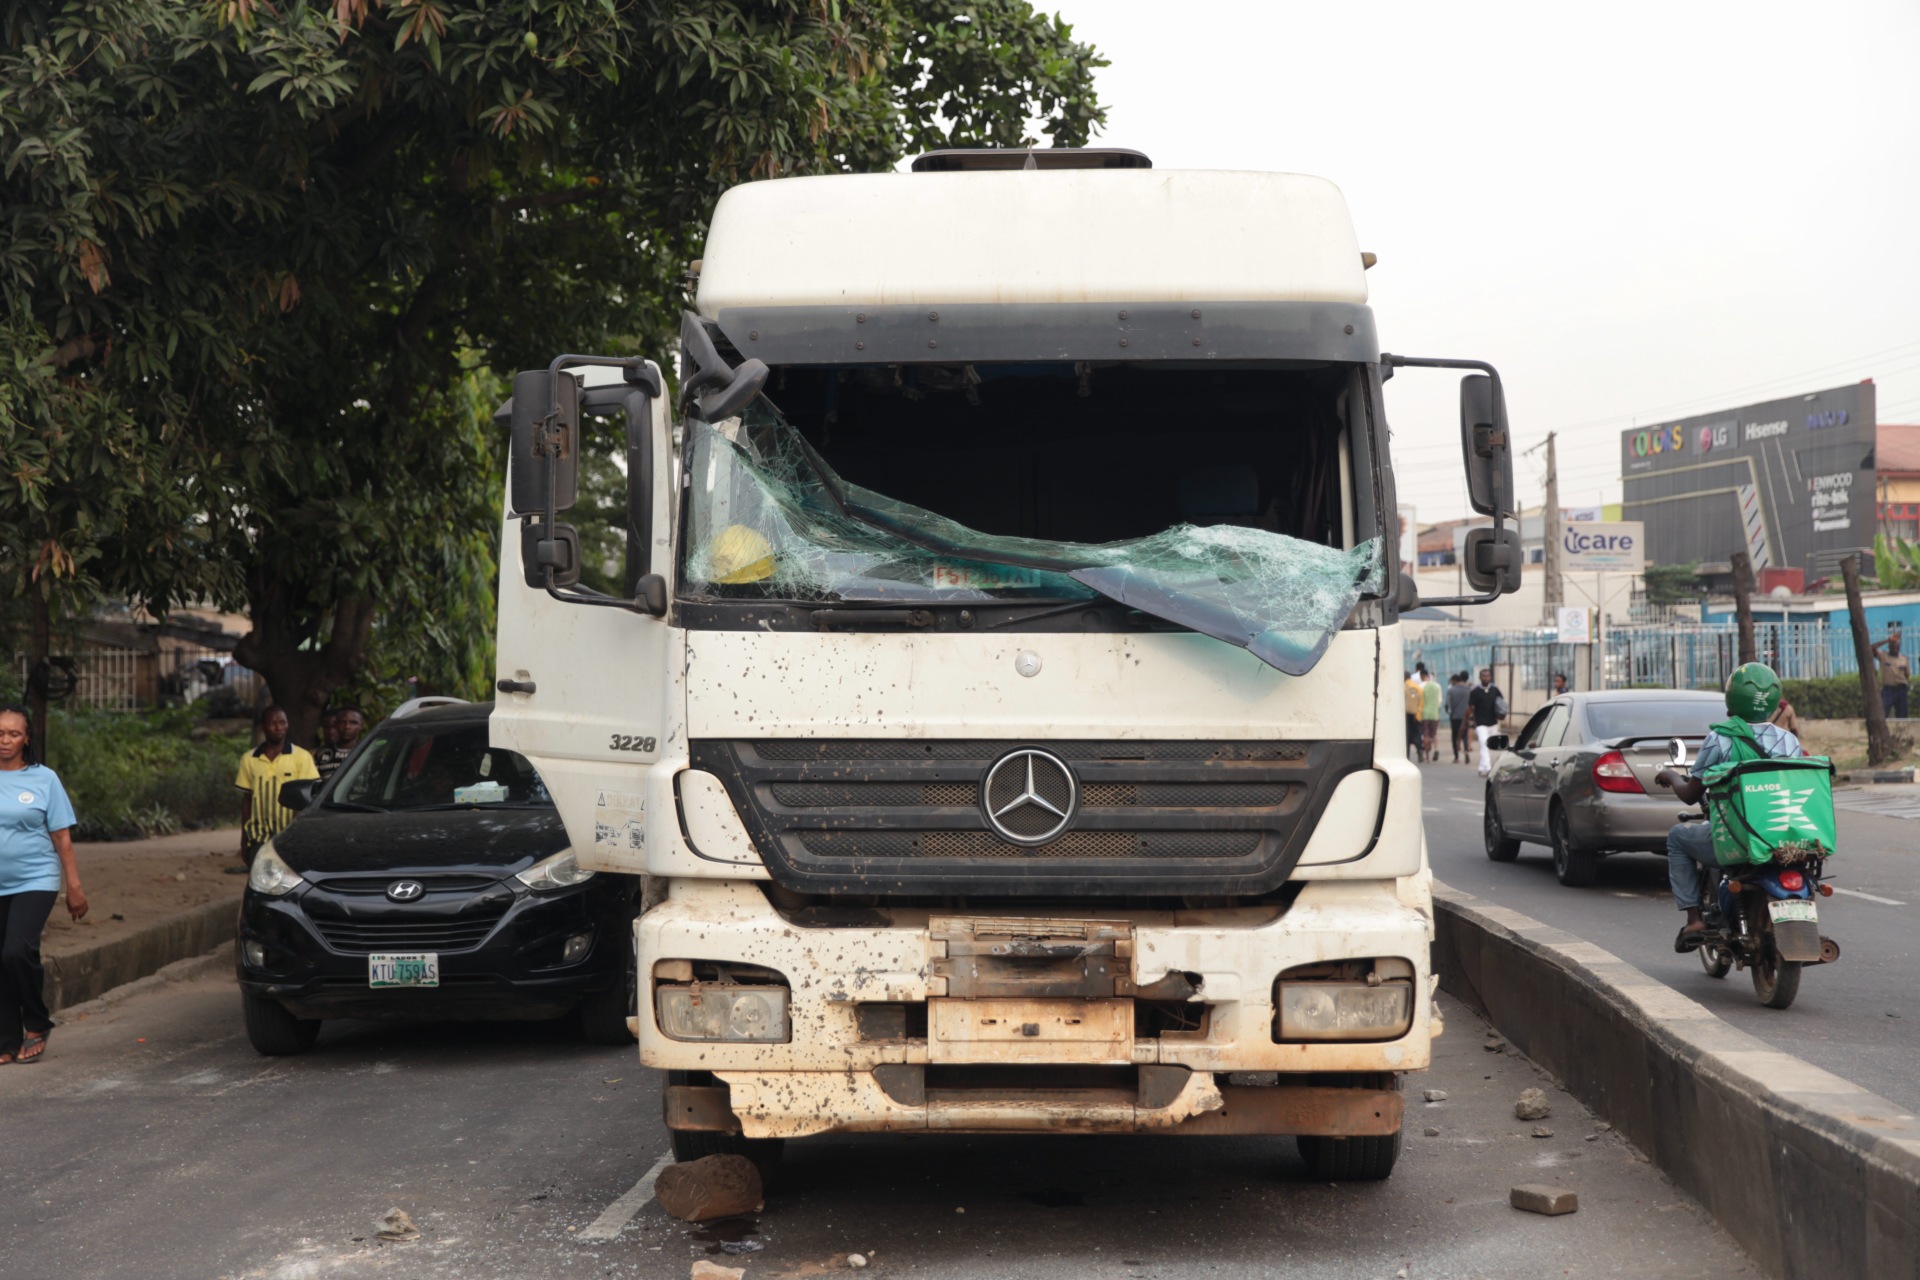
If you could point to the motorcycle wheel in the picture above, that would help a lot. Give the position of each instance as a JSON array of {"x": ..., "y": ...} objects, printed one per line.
[
  {"x": 1715, "y": 960},
  {"x": 1775, "y": 981}
]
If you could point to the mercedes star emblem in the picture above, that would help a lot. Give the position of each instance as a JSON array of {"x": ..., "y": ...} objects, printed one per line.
[
  {"x": 1029, "y": 796},
  {"x": 405, "y": 890}
]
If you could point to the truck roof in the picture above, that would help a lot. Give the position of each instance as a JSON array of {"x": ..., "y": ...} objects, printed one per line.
[{"x": 1035, "y": 236}]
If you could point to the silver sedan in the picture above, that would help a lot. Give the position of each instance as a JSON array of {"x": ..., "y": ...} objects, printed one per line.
[{"x": 1579, "y": 777}]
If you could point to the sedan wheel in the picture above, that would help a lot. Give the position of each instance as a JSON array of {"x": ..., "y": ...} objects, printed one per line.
[
  {"x": 1500, "y": 846},
  {"x": 1576, "y": 867}
]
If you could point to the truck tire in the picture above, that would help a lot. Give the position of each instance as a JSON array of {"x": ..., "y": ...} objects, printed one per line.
[
  {"x": 272, "y": 1030},
  {"x": 603, "y": 1015},
  {"x": 1500, "y": 846},
  {"x": 1353, "y": 1159},
  {"x": 1577, "y": 868},
  {"x": 692, "y": 1144}
]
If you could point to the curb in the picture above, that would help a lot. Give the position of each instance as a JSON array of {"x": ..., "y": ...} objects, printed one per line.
[
  {"x": 81, "y": 976},
  {"x": 1813, "y": 1176},
  {"x": 1877, "y": 776}
]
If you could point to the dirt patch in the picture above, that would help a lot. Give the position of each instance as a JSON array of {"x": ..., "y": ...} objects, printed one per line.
[
  {"x": 1845, "y": 743},
  {"x": 132, "y": 884}
]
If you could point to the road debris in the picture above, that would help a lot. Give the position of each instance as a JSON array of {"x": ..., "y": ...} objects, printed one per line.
[
  {"x": 396, "y": 1225},
  {"x": 1536, "y": 1197},
  {"x": 856, "y": 1260},
  {"x": 738, "y": 1247},
  {"x": 1432, "y": 1132},
  {"x": 704, "y": 1270},
  {"x": 1533, "y": 1105},
  {"x": 1495, "y": 1045},
  {"x": 722, "y": 1186},
  {"x": 1435, "y": 1095},
  {"x": 1541, "y": 1131}
]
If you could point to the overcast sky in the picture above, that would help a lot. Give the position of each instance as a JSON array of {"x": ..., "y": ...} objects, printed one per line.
[{"x": 1637, "y": 211}]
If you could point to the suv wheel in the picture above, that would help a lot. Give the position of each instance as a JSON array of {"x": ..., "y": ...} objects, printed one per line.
[{"x": 274, "y": 1031}]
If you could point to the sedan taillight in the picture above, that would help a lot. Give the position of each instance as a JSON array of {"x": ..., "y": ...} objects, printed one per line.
[{"x": 1611, "y": 772}]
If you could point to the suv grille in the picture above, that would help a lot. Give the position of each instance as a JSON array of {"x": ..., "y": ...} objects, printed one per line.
[
  {"x": 907, "y": 816},
  {"x": 362, "y": 937}
]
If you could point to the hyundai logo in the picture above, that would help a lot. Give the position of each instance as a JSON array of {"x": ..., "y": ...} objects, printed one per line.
[
  {"x": 1028, "y": 796},
  {"x": 405, "y": 890}
]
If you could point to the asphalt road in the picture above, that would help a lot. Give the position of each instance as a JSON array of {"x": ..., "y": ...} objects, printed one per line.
[
  {"x": 1857, "y": 1018},
  {"x": 153, "y": 1143}
]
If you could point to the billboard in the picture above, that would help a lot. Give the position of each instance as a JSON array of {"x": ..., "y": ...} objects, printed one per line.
[
  {"x": 1593, "y": 547},
  {"x": 1789, "y": 481}
]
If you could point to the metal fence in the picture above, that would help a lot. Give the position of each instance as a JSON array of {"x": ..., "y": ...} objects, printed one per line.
[
  {"x": 1635, "y": 656},
  {"x": 112, "y": 679}
]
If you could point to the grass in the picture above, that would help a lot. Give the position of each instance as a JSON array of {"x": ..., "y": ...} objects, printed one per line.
[
  {"x": 1845, "y": 743},
  {"x": 143, "y": 774}
]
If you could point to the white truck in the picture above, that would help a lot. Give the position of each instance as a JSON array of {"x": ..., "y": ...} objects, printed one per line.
[{"x": 1004, "y": 696}]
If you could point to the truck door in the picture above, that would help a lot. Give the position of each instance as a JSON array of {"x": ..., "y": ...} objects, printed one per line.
[{"x": 583, "y": 690}]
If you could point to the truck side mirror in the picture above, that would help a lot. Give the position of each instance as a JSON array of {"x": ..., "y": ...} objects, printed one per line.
[
  {"x": 1488, "y": 447},
  {"x": 715, "y": 389},
  {"x": 1494, "y": 558},
  {"x": 544, "y": 546},
  {"x": 545, "y": 422}
]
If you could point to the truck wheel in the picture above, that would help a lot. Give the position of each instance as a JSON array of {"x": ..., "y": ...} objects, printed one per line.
[
  {"x": 1576, "y": 867},
  {"x": 1353, "y": 1159},
  {"x": 274, "y": 1031},
  {"x": 692, "y": 1144},
  {"x": 1500, "y": 846},
  {"x": 603, "y": 1015}
]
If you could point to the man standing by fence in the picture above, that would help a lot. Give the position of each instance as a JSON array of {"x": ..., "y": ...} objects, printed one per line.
[
  {"x": 1486, "y": 706},
  {"x": 262, "y": 772},
  {"x": 1894, "y": 676}
]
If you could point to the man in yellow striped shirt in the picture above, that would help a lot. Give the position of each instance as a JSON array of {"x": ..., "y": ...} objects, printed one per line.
[{"x": 262, "y": 771}]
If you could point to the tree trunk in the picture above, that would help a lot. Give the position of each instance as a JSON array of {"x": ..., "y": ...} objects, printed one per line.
[
  {"x": 39, "y": 642},
  {"x": 1879, "y": 741},
  {"x": 1743, "y": 604},
  {"x": 302, "y": 676}
]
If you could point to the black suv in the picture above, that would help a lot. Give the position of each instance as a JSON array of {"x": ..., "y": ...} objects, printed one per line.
[{"x": 430, "y": 877}]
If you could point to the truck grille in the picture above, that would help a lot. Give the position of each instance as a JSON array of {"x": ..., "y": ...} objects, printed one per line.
[{"x": 906, "y": 816}]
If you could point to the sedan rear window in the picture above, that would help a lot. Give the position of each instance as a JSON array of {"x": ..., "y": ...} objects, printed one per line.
[
  {"x": 422, "y": 767},
  {"x": 1609, "y": 721}
]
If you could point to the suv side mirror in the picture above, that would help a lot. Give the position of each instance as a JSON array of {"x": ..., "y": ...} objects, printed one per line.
[
  {"x": 1487, "y": 445},
  {"x": 298, "y": 795},
  {"x": 1494, "y": 558},
  {"x": 1497, "y": 742},
  {"x": 545, "y": 422}
]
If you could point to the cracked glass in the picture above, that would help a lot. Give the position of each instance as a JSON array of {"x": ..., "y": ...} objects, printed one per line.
[{"x": 768, "y": 518}]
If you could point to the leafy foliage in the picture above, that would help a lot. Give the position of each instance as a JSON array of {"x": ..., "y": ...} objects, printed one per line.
[
  {"x": 137, "y": 775},
  {"x": 1896, "y": 563},
  {"x": 1833, "y": 698},
  {"x": 260, "y": 258},
  {"x": 1672, "y": 583}
]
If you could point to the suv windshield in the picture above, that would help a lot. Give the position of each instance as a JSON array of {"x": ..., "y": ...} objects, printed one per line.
[
  {"x": 424, "y": 767},
  {"x": 768, "y": 519},
  {"x": 1610, "y": 721}
]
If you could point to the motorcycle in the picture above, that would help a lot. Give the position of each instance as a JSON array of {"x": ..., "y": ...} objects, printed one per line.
[{"x": 1763, "y": 917}]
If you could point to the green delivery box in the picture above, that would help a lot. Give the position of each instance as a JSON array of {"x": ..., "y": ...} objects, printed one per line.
[{"x": 1771, "y": 808}]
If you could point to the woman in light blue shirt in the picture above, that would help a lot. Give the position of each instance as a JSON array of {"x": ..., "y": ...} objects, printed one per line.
[{"x": 36, "y": 856}]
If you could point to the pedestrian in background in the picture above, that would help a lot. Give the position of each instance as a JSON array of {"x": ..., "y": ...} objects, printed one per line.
[
  {"x": 1894, "y": 677},
  {"x": 1411, "y": 704},
  {"x": 1457, "y": 690},
  {"x": 36, "y": 856},
  {"x": 1486, "y": 707},
  {"x": 1784, "y": 718},
  {"x": 1431, "y": 700},
  {"x": 263, "y": 771},
  {"x": 344, "y": 728}
]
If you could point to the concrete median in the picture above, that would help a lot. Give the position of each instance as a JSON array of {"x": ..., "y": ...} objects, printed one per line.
[
  {"x": 80, "y": 975},
  {"x": 1813, "y": 1176}
]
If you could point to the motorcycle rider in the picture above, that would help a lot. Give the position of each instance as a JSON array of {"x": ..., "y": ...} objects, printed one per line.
[{"x": 1753, "y": 695}]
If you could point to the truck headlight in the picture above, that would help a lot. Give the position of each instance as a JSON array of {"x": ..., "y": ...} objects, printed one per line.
[
  {"x": 270, "y": 875},
  {"x": 1343, "y": 1011},
  {"x": 723, "y": 1013},
  {"x": 561, "y": 871}
]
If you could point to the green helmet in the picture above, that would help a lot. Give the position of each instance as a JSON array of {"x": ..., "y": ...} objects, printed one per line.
[{"x": 1753, "y": 692}]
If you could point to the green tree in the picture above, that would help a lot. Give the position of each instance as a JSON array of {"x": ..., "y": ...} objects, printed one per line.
[
  {"x": 1672, "y": 583},
  {"x": 288, "y": 241}
]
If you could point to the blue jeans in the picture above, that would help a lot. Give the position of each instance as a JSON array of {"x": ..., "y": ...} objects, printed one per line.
[{"x": 1689, "y": 848}]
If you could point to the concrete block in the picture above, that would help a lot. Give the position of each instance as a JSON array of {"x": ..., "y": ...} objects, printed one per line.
[{"x": 1536, "y": 1197}]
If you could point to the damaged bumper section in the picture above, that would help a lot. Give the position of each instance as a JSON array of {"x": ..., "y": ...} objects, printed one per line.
[{"x": 1291, "y": 1018}]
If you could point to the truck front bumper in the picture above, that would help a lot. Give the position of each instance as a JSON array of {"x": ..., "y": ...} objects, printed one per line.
[{"x": 1212, "y": 1077}]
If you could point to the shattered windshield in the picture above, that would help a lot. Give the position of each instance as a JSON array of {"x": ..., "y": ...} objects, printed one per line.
[{"x": 768, "y": 519}]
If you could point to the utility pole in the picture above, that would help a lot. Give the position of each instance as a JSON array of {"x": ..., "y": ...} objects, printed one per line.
[
  {"x": 1555, "y": 592},
  {"x": 1879, "y": 740}
]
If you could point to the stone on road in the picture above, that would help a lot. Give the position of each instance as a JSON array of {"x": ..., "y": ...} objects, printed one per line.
[{"x": 1535, "y": 1197}]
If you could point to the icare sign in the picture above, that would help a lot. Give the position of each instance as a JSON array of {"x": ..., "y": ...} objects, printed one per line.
[{"x": 1617, "y": 547}]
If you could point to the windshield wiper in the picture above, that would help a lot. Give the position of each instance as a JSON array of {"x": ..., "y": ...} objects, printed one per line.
[
  {"x": 827, "y": 619},
  {"x": 354, "y": 806}
]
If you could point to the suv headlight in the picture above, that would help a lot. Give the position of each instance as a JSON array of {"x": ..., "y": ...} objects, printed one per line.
[
  {"x": 561, "y": 871},
  {"x": 270, "y": 875}
]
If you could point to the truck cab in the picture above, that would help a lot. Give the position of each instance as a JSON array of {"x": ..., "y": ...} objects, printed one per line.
[{"x": 1002, "y": 687}]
